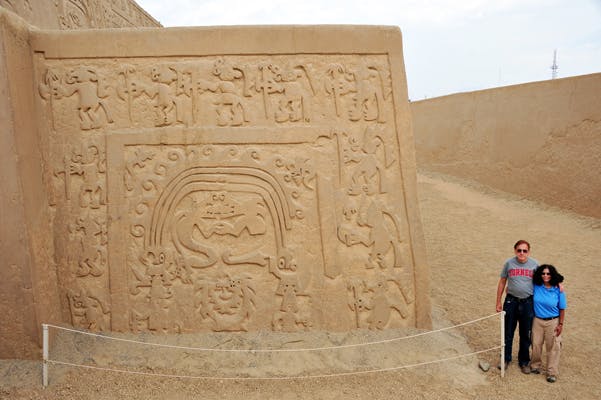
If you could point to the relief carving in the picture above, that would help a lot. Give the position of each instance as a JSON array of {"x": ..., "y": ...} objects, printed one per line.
[
  {"x": 92, "y": 253},
  {"x": 293, "y": 87},
  {"x": 230, "y": 107},
  {"x": 199, "y": 221},
  {"x": 372, "y": 87},
  {"x": 229, "y": 302},
  {"x": 222, "y": 92},
  {"x": 292, "y": 314},
  {"x": 375, "y": 302},
  {"x": 220, "y": 214},
  {"x": 369, "y": 224},
  {"x": 89, "y": 164},
  {"x": 88, "y": 311},
  {"x": 156, "y": 310},
  {"x": 367, "y": 85},
  {"x": 171, "y": 90},
  {"x": 75, "y": 15},
  {"x": 83, "y": 172},
  {"x": 91, "y": 91},
  {"x": 227, "y": 224},
  {"x": 369, "y": 157}
]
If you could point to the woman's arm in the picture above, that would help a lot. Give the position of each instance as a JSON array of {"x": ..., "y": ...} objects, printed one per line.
[{"x": 559, "y": 328}]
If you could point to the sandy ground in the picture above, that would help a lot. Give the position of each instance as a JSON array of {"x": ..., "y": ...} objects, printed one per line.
[{"x": 469, "y": 231}]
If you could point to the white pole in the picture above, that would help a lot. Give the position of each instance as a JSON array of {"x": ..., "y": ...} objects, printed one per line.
[
  {"x": 502, "y": 344},
  {"x": 45, "y": 355}
]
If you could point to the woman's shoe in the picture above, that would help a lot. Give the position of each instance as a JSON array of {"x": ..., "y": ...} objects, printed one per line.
[{"x": 551, "y": 378}]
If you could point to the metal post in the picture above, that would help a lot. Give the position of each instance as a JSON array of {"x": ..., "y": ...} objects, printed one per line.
[
  {"x": 45, "y": 355},
  {"x": 502, "y": 344}
]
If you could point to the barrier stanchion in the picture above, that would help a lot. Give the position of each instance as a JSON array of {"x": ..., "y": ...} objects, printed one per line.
[
  {"x": 503, "y": 344},
  {"x": 45, "y": 355}
]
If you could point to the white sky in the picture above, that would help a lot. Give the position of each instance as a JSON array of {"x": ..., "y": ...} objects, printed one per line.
[{"x": 450, "y": 46}]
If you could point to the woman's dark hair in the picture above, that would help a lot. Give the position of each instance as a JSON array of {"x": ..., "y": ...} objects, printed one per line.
[{"x": 556, "y": 277}]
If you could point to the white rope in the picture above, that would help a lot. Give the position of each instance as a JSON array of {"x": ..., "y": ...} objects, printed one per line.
[
  {"x": 275, "y": 377},
  {"x": 271, "y": 350}
]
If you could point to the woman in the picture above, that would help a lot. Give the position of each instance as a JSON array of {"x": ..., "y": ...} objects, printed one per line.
[{"x": 549, "y": 313}]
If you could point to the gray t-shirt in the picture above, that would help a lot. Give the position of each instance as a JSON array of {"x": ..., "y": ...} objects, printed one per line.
[{"x": 519, "y": 276}]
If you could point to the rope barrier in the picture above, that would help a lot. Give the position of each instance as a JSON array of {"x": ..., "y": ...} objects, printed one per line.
[
  {"x": 270, "y": 350},
  {"x": 371, "y": 371}
]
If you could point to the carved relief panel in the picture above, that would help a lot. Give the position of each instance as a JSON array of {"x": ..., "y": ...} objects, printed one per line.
[
  {"x": 211, "y": 240},
  {"x": 217, "y": 91},
  {"x": 229, "y": 193}
]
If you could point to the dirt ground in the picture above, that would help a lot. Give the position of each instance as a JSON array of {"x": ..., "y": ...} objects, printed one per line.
[{"x": 469, "y": 231}]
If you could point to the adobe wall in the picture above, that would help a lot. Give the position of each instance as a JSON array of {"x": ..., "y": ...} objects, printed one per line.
[
  {"x": 203, "y": 179},
  {"x": 28, "y": 276},
  {"x": 27, "y": 270},
  {"x": 80, "y": 14},
  {"x": 538, "y": 140}
]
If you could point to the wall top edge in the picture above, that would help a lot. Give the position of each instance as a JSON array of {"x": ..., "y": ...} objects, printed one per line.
[
  {"x": 191, "y": 41},
  {"x": 525, "y": 85}
]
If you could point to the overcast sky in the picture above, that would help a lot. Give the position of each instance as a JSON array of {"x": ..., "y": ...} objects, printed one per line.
[{"x": 450, "y": 46}]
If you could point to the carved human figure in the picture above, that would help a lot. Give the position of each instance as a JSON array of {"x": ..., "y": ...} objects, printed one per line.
[
  {"x": 157, "y": 307},
  {"x": 88, "y": 310},
  {"x": 171, "y": 89},
  {"x": 85, "y": 82},
  {"x": 231, "y": 110},
  {"x": 89, "y": 164},
  {"x": 297, "y": 90},
  {"x": 92, "y": 251},
  {"x": 290, "y": 316},
  {"x": 372, "y": 87},
  {"x": 383, "y": 236},
  {"x": 168, "y": 106},
  {"x": 382, "y": 304},
  {"x": 295, "y": 87},
  {"x": 369, "y": 157},
  {"x": 380, "y": 232},
  {"x": 373, "y": 303}
]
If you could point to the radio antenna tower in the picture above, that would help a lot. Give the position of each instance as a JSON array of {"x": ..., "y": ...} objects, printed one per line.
[{"x": 554, "y": 67}]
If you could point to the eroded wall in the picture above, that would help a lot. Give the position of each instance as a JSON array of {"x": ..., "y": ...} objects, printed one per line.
[
  {"x": 232, "y": 179},
  {"x": 539, "y": 140}
]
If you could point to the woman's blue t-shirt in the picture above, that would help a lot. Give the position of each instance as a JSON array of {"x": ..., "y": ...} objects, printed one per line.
[{"x": 548, "y": 301}]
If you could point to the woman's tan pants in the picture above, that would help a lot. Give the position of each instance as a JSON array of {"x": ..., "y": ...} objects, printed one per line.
[{"x": 544, "y": 332}]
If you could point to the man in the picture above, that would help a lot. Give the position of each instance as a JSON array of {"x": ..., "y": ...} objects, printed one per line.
[{"x": 518, "y": 306}]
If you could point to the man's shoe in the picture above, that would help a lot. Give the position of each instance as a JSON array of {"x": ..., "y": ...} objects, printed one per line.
[
  {"x": 551, "y": 378},
  {"x": 526, "y": 369},
  {"x": 535, "y": 371}
]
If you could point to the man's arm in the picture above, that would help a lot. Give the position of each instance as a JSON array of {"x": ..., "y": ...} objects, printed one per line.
[{"x": 500, "y": 290}]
